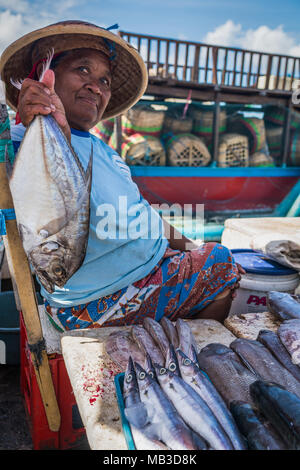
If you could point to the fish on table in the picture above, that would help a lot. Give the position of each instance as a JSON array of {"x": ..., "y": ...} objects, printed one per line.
[
  {"x": 120, "y": 346},
  {"x": 259, "y": 435},
  {"x": 157, "y": 332},
  {"x": 281, "y": 408},
  {"x": 273, "y": 343},
  {"x": 226, "y": 371},
  {"x": 191, "y": 373},
  {"x": 283, "y": 305},
  {"x": 262, "y": 362},
  {"x": 163, "y": 421},
  {"x": 186, "y": 338},
  {"x": 289, "y": 334},
  {"x": 147, "y": 343},
  {"x": 170, "y": 331}
]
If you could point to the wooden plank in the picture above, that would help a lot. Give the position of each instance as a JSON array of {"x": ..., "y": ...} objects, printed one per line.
[
  {"x": 234, "y": 68},
  {"x": 195, "y": 72},
  {"x": 268, "y": 71},
  {"x": 157, "y": 57},
  {"x": 224, "y": 67},
  {"x": 242, "y": 68},
  {"x": 26, "y": 292},
  {"x": 206, "y": 63},
  {"x": 176, "y": 60},
  {"x": 215, "y": 51},
  {"x": 285, "y": 72},
  {"x": 186, "y": 61},
  {"x": 167, "y": 59},
  {"x": 250, "y": 69},
  {"x": 278, "y": 72},
  {"x": 286, "y": 135},
  {"x": 258, "y": 69},
  {"x": 216, "y": 126}
]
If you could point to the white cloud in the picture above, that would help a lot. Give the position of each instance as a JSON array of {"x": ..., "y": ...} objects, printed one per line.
[{"x": 263, "y": 38}]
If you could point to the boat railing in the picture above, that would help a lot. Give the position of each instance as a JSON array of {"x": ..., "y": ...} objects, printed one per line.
[{"x": 210, "y": 65}]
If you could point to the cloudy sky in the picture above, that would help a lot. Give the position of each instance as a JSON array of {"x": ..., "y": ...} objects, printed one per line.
[{"x": 270, "y": 26}]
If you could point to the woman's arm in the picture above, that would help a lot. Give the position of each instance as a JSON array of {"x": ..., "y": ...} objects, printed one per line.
[{"x": 176, "y": 239}]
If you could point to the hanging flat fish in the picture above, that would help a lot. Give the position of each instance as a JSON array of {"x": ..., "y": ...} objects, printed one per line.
[{"x": 51, "y": 195}]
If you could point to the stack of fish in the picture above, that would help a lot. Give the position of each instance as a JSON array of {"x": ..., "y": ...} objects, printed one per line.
[{"x": 246, "y": 396}]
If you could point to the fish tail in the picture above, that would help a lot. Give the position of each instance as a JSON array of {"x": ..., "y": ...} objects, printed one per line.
[{"x": 47, "y": 63}]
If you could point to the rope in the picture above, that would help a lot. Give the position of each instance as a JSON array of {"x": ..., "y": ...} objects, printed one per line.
[{"x": 5, "y": 214}]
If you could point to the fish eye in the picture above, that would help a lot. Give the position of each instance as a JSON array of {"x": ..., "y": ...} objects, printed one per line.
[
  {"x": 172, "y": 366},
  {"x": 162, "y": 370},
  {"x": 187, "y": 362},
  {"x": 142, "y": 375},
  {"x": 58, "y": 270},
  {"x": 129, "y": 378}
]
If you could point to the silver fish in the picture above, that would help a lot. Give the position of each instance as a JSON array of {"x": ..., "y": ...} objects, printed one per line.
[
  {"x": 172, "y": 361},
  {"x": 147, "y": 343},
  {"x": 193, "y": 409},
  {"x": 185, "y": 337},
  {"x": 289, "y": 334},
  {"x": 51, "y": 194},
  {"x": 157, "y": 333},
  {"x": 120, "y": 346},
  {"x": 170, "y": 331},
  {"x": 164, "y": 423},
  {"x": 192, "y": 374}
]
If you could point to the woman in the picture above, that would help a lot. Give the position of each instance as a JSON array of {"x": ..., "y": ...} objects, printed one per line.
[{"x": 96, "y": 75}]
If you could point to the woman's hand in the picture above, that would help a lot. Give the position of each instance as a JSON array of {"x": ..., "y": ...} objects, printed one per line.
[
  {"x": 237, "y": 284},
  {"x": 40, "y": 98}
]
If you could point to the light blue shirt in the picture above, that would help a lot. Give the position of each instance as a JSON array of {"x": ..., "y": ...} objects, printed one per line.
[{"x": 126, "y": 238}]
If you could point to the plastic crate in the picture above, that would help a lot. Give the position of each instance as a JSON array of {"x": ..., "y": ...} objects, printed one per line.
[{"x": 71, "y": 432}]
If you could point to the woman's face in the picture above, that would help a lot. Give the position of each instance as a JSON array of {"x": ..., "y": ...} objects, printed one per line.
[{"x": 83, "y": 82}]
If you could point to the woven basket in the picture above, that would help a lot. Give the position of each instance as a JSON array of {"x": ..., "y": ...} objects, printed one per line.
[
  {"x": 276, "y": 115},
  {"x": 203, "y": 123},
  {"x": 104, "y": 129},
  {"x": 187, "y": 150},
  {"x": 176, "y": 123},
  {"x": 143, "y": 150},
  {"x": 233, "y": 150},
  {"x": 144, "y": 119},
  {"x": 253, "y": 128},
  {"x": 294, "y": 157},
  {"x": 261, "y": 159},
  {"x": 274, "y": 139}
]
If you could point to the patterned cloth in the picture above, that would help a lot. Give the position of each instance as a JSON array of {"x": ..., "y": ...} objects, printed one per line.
[{"x": 181, "y": 285}]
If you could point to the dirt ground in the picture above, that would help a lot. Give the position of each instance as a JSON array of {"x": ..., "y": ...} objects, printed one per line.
[{"x": 14, "y": 429}]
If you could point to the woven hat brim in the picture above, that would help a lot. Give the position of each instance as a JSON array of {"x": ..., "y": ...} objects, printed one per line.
[{"x": 129, "y": 80}]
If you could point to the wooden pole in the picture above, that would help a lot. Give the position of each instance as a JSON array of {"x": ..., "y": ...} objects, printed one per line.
[{"x": 26, "y": 292}]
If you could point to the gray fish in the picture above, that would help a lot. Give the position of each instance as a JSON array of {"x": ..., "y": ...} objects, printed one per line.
[
  {"x": 164, "y": 423},
  {"x": 191, "y": 373},
  {"x": 147, "y": 343},
  {"x": 193, "y": 409},
  {"x": 170, "y": 331},
  {"x": 282, "y": 409},
  {"x": 134, "y": 409},
  {"x": 157, "y": 333},
  {"x": 51, "y": 194},
  {"x": 120, "y": 346},
  {"x": 272, "y": 342},
  {"x": 185, "y": 337},
  {"x": 289, "y": 334},
  {"x": 283, "y": 305},
  {"x": 149, "y": 367},
  {"x": 259, "y": 436},
  {"x": 224, "y": 368},
  {"x": 257, "y": 357}
]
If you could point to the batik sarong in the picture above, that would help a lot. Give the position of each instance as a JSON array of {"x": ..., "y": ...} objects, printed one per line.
[{"x": 180, "y": 285}]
